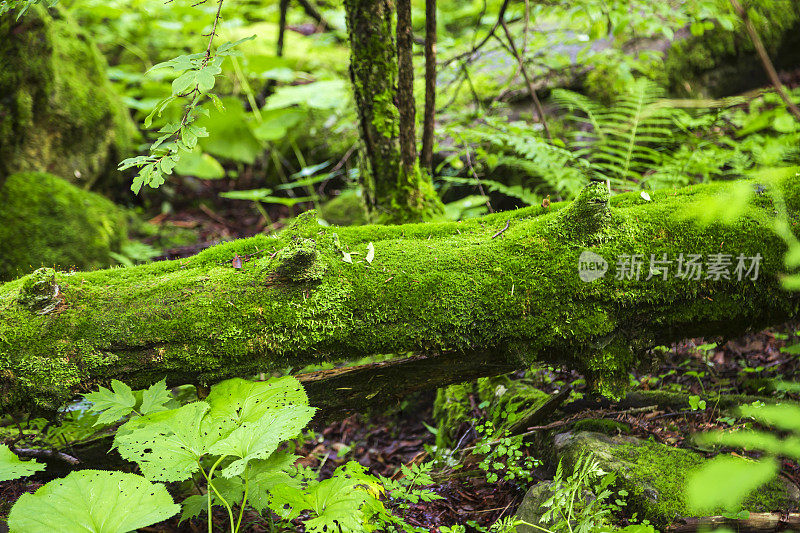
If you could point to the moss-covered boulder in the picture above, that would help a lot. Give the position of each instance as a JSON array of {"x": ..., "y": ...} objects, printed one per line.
[
  {"x": 505, "y": 400},
  {"x": 58, "y": 112},
  {"x": 46, "y": 221},
  {"x": 655, "y": 474},
  {"x": 722, "y": 62}
]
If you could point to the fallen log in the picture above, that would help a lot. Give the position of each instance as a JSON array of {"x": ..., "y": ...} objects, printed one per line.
[{"x": 479, "y": 297}]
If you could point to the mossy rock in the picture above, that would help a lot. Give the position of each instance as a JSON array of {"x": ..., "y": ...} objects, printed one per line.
[
  {"x": 721, "y": 62},
  {"x": 655, "y": 474},
  {"x": 506, "y": 401},
  {"x": 347, "y": 209},
  {"x": 44, "y": 220},
  {"x": 58, "y": 111}
]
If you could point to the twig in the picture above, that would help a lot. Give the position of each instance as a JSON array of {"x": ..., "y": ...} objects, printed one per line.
[
  {"x": 475, "y": 48},
  {"x": 47, "y": 454},
  {"x": 537, "y": 104},
  {"x": 508, "y": 223},
  {"x": 769, "y": 68}
]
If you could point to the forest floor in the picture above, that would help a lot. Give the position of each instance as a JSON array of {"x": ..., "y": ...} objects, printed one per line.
[{"x": 383, "y": 441}]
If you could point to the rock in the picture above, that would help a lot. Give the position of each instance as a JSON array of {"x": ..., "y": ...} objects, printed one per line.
[
  {"x": 530, "y": 510},
  {"x": 58, "y": 111},
  {"x": 654, "y": 474},
  {"x": 46, "y": 221},
  {"x": 508, "y": 400}
]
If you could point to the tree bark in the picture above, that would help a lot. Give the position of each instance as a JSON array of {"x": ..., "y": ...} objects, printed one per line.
[
  {"x": 391, "y": 194},
  {"x": 481, "y": 297},
  {"x": 405, "y": 89}
]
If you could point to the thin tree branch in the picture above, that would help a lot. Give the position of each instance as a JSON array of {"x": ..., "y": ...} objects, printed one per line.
[
  {"x": 537, "y": 104},
  {"x": 769, "y": 68}
]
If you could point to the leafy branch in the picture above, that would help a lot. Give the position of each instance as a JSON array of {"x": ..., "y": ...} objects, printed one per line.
[{"x": 197, "y": 74}]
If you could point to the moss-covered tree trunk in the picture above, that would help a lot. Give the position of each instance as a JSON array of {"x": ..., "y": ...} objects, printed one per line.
[
  {"x": 394, "y": 193},
  {"x": 480, "y": 297}
]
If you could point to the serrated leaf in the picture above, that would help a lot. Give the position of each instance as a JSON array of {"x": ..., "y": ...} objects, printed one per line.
[
  {"x": 112, "y": 405},
  {"x": 93, "y": 501},
  {"x": 337, "y": 503},
  {"x": 154, "y": 398},
  {"x": 168, "y": 445},
  {"x": 240, "y": 400},
  {"x": 370, "y": 253},
  {"x": 12, "y": 467},
  {"x": 258, "y": 440}
]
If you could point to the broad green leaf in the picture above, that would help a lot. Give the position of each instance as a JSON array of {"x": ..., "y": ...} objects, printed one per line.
[
  {"x": 240, "y": 400},
  {"x": 258, "y": 440},
  {"x": 326, "y": 94},
  {"x": 154, "y": 398},
  {"x": 168, "y": 445},
  {"x": 199, "y": 165},
  {"x": 93, "y": 501},
  {"x": 12, "y": 467},
  {"x": 337, "y": 503},
  {"x": 726, "y": 481},
  {"x": 230, "y": 133},
  {"x": 784, "y": 416},
  {"x": 267, "y": 475},
  {"x": 114, "y": 405}
]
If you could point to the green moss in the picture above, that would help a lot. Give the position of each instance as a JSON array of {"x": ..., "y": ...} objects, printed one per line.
[
  {"x": 45, "y": 220},
  {"x": 39, "y": 293},
  {"x": 506, "y": 400},
  {"x": 58, "y": 112},
  {"x": 601, "y": 425},
  {"x": 722, "y": 62},
  {"x": 430, "y": 288},
  {"x": 655, "y": 474}
]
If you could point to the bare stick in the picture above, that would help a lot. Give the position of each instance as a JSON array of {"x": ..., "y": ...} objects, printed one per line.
[{"x": 537, "y": 104}]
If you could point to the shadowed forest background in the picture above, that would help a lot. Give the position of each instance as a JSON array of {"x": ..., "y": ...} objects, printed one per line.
[{"x": 399, "y": 265}]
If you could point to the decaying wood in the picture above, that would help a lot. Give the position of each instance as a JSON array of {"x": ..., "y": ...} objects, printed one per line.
[{"x": 450, "y": 300}]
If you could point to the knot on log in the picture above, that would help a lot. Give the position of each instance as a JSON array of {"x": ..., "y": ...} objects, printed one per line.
[
  {"x": 587, "y": 217},
  {"x": 300, "y": 262},
  {"x": 40, "y": 293}
]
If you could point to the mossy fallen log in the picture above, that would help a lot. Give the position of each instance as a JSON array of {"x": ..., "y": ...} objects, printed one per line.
[{"x": 488, "y": 295}]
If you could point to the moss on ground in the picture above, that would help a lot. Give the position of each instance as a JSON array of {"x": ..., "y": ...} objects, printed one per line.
[
  {"x": 655, "y": 474},
  {"x": 430, "y": 288},
  {"x": 58, "y": 112},
  {"x": 46, "y": 221}
]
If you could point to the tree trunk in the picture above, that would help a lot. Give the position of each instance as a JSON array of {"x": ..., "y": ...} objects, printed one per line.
[
  {"x": 391, "y": 195},
  {"x": 426, "y": 155},
  {"x": 480, "y": 297}
]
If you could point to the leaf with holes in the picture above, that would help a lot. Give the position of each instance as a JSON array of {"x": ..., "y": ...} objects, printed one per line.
[
  {"x": 168, "y": 445},
  {"x": 258, "y": 440}
]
